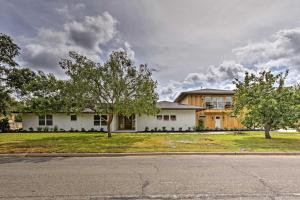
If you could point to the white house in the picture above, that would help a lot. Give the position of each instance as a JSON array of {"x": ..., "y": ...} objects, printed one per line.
[{"x": 173, "y": 116}]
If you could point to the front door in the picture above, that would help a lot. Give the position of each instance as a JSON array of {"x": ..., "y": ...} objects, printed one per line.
[
  {"x": 217, "y": 122},
  {"x": 126, "y": 123}
]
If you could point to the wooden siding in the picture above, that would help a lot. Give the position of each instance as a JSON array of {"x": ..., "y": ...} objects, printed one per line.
[{"x": 209, "y": 115}]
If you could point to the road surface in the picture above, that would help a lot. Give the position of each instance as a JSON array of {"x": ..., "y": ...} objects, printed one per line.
[{"x": 151, "y": 177}]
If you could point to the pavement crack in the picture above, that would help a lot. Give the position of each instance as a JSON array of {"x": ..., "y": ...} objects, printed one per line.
[
  {"x": 144, "y": 183},
  {"x": 259, "y": 179}
]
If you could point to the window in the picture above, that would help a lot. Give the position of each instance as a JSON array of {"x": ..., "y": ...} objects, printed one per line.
[
  {"x": 96, "y": 120},
  {"x": 103, "y": 120},
  {"x": 208, "y": 102},
  {"x": 214, "y": 102},
  {"x": 73, "y": 117},
  {"x": 228, "y": 103},
  {"x": 159, "y": 117},
  {"x": 42, "y": 120},
  {"x": 45, "y": 120},
  {"x": 49, "y": 120},
  {"x": 166, "y": 117},
  {"x": 220, "y": 103},
  {"x": 173, "y": 117}
]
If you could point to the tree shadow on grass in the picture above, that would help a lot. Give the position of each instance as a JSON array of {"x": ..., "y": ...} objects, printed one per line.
[{"x": 257, "y": 144}]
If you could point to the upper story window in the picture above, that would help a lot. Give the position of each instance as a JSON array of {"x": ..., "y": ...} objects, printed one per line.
[
  {"x": 228, "y": 101},
  {"x": 208, "y": 102},
  {"x": 73, "y": 117},
  {"x": 45, "y": 120},
  {"x": 214, "y": 102},
  {"x": 220, "y": 103}
]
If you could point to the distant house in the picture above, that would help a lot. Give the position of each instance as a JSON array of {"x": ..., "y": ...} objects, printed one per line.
[
  {"x": 217, "y": 106},
  {"x": 173, "y": 116}
]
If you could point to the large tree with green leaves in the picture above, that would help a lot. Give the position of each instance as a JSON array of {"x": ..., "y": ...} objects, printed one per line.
[
  {"x": 13, "y": 79},
  {"x": 44, "y": 94},
  {"x": 115, "y": 87},
  {"x": 265, "y": 101},
  {"x": 8, "y": 51}
]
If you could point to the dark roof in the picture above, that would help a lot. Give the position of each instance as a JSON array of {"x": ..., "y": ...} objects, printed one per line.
[
  {"x": 168, "y": 105},
  {"x": 165, "y": 105},
  {"x": 204, "y": 91}
]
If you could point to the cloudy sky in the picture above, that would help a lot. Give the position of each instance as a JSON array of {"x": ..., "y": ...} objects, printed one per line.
[{"x": 189, "y": 44}]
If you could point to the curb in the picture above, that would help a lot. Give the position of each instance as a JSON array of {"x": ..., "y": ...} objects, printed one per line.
[{"x": 148, "y": 154}]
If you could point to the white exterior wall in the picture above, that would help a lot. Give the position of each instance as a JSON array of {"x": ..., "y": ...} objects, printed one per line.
[
  {"x": 184, "y": 120},
  {"x": 63, "y": 121}
]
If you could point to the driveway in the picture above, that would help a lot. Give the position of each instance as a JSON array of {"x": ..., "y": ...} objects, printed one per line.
[{"x": 151, "y": 177}]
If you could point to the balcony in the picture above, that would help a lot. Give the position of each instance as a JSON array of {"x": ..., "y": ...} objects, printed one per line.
[{"x": 218, "y": 105}]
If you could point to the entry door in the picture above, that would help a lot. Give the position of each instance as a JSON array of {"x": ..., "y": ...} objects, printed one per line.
[
  {"x": 126, "y": 123},
  {"x": 218, "y": 122}
]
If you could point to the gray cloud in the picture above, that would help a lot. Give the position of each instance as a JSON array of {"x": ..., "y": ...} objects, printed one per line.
[
  {"x": 283, "y": 50},
  {"x": 279, "y": 53},
  {"x": 217, "y": 77},
  {"x": 189, "y": 44},
  {"x": 86, "y": 36},
  {"x": 92, "y": 32}
]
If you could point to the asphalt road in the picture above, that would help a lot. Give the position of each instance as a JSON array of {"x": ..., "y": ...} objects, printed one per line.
[{"x": 151, "y": 177}]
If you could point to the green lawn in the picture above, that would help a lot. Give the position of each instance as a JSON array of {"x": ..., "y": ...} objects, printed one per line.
[{"x": 97, "y": 142}]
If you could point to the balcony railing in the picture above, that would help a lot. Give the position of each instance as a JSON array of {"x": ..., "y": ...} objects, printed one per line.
[{"x": 218, "y": 105}]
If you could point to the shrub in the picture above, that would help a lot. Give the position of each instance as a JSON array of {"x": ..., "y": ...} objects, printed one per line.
[
  {"x": 200, "y": 125},
  {"x": 146, "y": 129},
  {"x": 164, "y": 129},
  {"x": 155, "y": 129},
  {"x": 4, "y": 125},
  {"x": 101, "y": 130},
  {"x": 180, "y": 129},
  {"x": 172, "y": 129},
  {"x": 189, "y": 129},
  {"x": 82, "y": 130},
  {"x": 92, "y": 130},
  {"x": 39, "y": 129},
  {"x": 18, "y": 118},
  {"x": 71, "y": 130},
  {"x": 46, "y": 129},
  {"x": 55, "y": 128},
  {"x": 62, "y": 130}
]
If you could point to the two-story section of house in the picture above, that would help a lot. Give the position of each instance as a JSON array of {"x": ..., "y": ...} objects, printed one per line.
[{"x": 218, "y": 106}]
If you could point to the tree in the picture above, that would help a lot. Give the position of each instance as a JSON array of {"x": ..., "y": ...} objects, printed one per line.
[
  {"x": 116, "y": 87},
  {"x": 43, "y": 94},
  {"x": 265, "y": 101},
  {"x": 8, "y": 51},
  {"x": 13, "y": 78}
]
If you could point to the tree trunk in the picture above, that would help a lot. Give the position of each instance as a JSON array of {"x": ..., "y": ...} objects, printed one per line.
[
  {"x": 110, "y": 118},
  {"x": 267, "y": 131}
]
